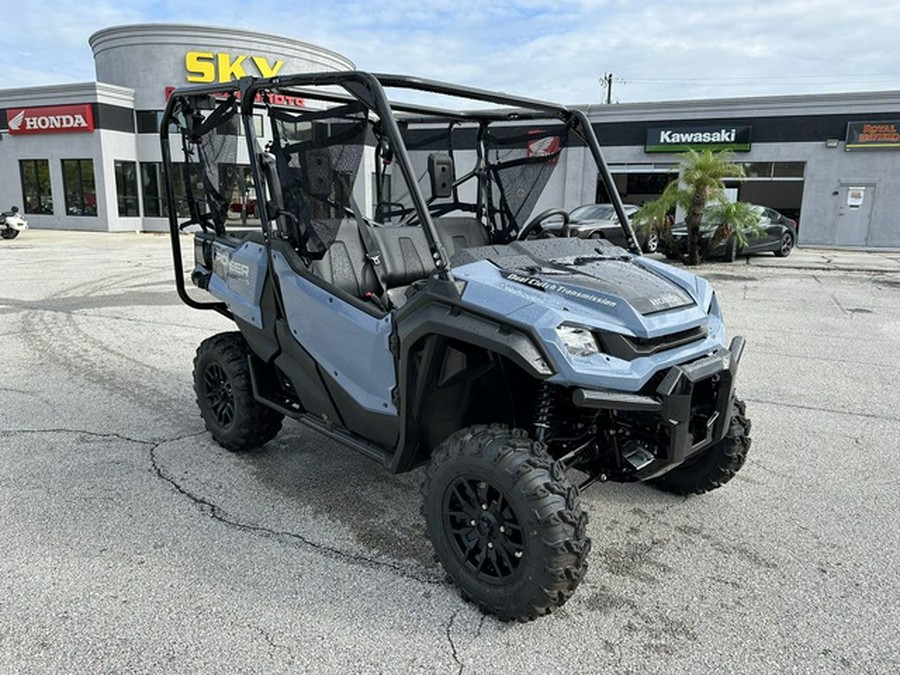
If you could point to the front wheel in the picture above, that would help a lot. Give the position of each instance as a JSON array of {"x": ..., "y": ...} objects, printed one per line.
[
  {"x": 236, "y": 420},
  {"x": 651, "y": 243},
  {"x": 505, "y": 522},
  {"x": 9, "y": 233},
  {"x": 716, "y": 465}
]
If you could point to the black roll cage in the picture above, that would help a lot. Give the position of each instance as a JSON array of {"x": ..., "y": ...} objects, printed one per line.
[{"x": 368, "y": 89}]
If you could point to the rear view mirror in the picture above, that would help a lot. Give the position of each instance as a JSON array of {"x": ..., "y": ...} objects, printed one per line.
[{"x": 440, "y": 170}]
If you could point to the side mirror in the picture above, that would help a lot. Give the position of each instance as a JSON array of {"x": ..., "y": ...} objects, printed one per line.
[{"x": 15, "y": 209}]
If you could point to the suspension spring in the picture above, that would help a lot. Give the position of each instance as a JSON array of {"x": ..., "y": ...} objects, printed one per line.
[{"x": 544, "y": 409}]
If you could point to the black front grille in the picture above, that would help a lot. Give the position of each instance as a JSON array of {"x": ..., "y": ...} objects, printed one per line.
[{"x": 629, "y": 348}]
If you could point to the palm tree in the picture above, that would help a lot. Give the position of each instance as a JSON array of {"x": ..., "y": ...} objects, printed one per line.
[{"x": 702, "y": 181}]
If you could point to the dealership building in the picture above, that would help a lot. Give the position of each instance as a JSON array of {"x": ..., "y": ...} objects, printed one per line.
[{"x": 87, "y": 156}]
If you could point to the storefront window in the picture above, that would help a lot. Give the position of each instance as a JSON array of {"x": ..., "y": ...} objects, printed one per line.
[
  {"x": 235, "y": 127},
  {"x": 774, "y": 169},
  {"x": 236, "y": 186},
  {"x": 78, "y": 185},
  {"x": 153, "y": 187},
  {"x": 154, "y": 197},
  {"x": 36, "y": 194},
  {"x": 148, "y": 121},
  {"x": 788, "y": 169},
  {"x": 294, "y": 132},
  {"x": 126, "y": 189}
]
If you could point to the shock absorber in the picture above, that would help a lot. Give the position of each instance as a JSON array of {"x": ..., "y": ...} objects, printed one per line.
[{"x": 544, "y": 409}]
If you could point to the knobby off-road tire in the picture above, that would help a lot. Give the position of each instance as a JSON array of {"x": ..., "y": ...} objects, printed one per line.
[
  {"x": 235, "y": 419},
  {"x": 716, "y": 465},
  {"x": 505, "y": 522}
]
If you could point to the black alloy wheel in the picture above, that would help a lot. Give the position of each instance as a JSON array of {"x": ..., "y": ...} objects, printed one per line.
[
  {"x": 236, "y": 420},
  {"x": 787, "y": 244},
  {"x": 9, "y": 233},
  {"x": 505, "y": 522},
  {"x": 487, "y": 534},
  {"x": 219, "y": 394}
]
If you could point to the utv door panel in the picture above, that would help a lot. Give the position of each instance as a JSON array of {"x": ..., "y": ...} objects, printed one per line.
[{"x": 350, "y": 345}]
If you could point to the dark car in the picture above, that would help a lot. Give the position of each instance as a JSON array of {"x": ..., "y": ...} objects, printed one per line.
[
  {"x": 778, "y": 235},
  {"x": 599, "y": 221}
]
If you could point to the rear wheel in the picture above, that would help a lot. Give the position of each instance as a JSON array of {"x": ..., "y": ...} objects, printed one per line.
[
  {"x": 786, "y": 245},
  {"x": 9, "y": 233},
  {"x": 672, "y": 255},
  {"x": 505, "y": 522},
  {"x": 730, "y": 254},
  {"x": 716, "y": 465},
  {"x": 236, "y": 420}
]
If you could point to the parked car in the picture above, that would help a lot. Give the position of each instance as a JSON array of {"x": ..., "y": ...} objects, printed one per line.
[
  {"x": 599, "y": 221},
  {"x": 778, "y": 234}
]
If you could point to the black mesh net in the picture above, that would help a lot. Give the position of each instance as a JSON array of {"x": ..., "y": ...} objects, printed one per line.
[
  {"x": 318, "y": 155},
  {"x": 522, "y": 162},
  {"x": 217, "y": 187}
]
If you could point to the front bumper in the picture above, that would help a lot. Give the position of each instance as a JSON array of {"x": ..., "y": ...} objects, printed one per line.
[{"x": 692, "y": 403}]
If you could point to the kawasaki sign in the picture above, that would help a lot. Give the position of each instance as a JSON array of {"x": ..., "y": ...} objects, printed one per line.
[{"x": 679, "y": 139}]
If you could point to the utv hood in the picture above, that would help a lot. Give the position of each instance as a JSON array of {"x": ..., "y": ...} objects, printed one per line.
[
  {"x": 542, "y": 285},
  {"x": 597, "y": 276}
]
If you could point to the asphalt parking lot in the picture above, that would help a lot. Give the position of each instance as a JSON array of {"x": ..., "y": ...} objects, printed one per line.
[{"x": 132, "y": 543}]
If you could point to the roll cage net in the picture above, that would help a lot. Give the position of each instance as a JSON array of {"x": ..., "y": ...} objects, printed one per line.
[{"x": 317, "y": 176}]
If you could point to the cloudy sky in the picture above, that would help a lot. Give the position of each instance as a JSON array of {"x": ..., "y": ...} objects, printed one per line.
[{"x": 657, "y": 50}]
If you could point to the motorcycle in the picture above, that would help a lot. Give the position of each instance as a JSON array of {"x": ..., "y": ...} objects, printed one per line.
[{"x": 11, "y": 223}]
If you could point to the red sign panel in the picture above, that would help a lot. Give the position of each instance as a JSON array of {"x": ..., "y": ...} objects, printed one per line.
[{"x": 57, "y": 119}]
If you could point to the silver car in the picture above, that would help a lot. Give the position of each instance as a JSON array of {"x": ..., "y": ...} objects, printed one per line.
[{"x": 599, "y": 221}]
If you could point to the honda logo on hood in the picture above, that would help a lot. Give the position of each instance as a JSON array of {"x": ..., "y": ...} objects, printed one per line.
[{"x": 51, "y": 119}]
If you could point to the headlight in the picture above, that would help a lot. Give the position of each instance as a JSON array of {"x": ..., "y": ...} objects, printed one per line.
[{"x": 579, "y": 341}]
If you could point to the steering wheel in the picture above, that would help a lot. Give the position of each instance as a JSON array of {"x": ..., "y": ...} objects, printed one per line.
[{"x": 541, "y": 217}]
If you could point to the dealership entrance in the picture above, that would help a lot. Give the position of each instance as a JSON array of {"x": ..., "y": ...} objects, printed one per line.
[
  {"x": 638, "y": 183},
  {"x": 777, "y": 185}
]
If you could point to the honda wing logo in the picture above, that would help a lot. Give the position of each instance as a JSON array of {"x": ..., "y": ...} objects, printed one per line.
[
  {"x": 548, "y": 146},
  {"x": 15, "y": 122}
]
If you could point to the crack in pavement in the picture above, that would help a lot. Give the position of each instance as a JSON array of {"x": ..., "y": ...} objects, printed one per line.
[
  {"x": 220, "y": 515},
  {"x": 480, "y": 625},
  {"x": 85, "y": 432},
  {"x": 270, "y": 640},
  {"x": 217, "y": 513},
  {"x": 454, "y": 653}
]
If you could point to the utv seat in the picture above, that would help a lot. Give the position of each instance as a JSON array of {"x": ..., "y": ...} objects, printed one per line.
[
  {"x": 460, "y": 232},
  {"x": 406, "y": 256},
  {"x": 345, "y": 264}
]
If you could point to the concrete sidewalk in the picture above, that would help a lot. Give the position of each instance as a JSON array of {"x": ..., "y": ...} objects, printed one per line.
[
  {"x": 831, "y": 259},
  {"x": 800, "y": 258}
]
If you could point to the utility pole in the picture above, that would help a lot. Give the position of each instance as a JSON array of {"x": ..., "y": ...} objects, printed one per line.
[{"x": 607, "y": 81}]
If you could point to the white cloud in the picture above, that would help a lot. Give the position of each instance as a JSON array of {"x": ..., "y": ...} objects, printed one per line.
[{"x": 662, "y": 50}]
